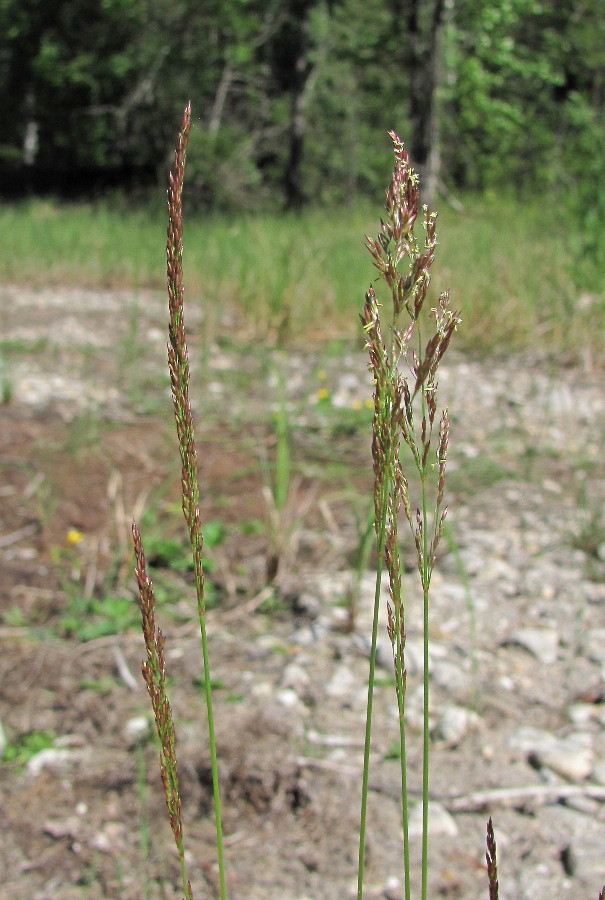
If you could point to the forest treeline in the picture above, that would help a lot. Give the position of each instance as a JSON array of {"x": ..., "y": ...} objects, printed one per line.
[{"x": 292, "y": 99}]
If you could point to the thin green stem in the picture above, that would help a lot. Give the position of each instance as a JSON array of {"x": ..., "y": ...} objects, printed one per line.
[
  {"x": 400, "y": 687},
  {"x": 213, "y": 762},
  {"x": 426, "y": 575},
  {"x": 368, "y": 729}
]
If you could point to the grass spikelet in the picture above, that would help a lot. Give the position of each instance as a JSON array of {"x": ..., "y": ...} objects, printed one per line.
[
  {"x": 404, "y": 369},
  {"x": 490, "y": 856},
  {"x": 178, "y": 365},
  {"x": 154, "y": 673}
]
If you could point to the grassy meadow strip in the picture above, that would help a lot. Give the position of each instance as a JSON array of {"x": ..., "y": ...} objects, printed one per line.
[{"x": 279, "y": 276}]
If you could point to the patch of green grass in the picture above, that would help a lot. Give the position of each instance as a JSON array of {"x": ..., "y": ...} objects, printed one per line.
[
  {"x": 14, "y": 617},
  {"x": 87, "y": 618},
  {"x": 392, "y": 752},
  {"x": 508, "y": 264},
  {"x": 84, "y": 432},
  {"x": 102, "y": 686},
  {"x": 21, "y": 750},
  {"x": 215, "y": 683},
  {"x": 252, "y": 527},
  {"x": 477, "y": 474},
  {"x": 23, "y": 345}
]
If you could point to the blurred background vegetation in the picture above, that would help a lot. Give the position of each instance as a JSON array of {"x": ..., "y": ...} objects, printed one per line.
[
  {"x": 292, "y": 95},
  {"x": 292, "y": 100}
]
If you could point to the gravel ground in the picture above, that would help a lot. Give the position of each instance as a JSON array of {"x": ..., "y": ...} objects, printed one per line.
[{"x": 517, "y": 660}]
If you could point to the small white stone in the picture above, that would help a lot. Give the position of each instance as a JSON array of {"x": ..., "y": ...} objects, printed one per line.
[
  {"x": 440, "y": 821},
  {"x": 598, "y": 771},
  {"x": 57, "y": 759},
  {"x": 342, "y": 683},
  {"x": 295, "y": 678},
  {"x": 261, "y": 689},
  {"x": 136, "y": 730},
  {"x": 542, "y": 643},
  {"x": 595, "y": 644},
  {"x": 454, "y": 723},
  {"x": 581, "y": 713},
  {"x": 572, "y": 758},
  {"x": 287, "y": 698},
  {"x": 450, "y": 677}
]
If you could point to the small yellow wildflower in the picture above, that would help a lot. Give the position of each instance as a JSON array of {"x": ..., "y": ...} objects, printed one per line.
[
  {"x": 74, "y": 536},
  {"x": 369, "y": 403},
  {"x": 322, "y": 394}
]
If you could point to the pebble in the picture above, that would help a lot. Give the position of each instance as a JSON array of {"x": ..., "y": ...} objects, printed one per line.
[
  {"x": 454, "y": 722},
  {"x": 598, "y": 772},
  {"x": 542, "y": 643},
  {"x": 440, "y": 821},
  {"x": 451, "y": 678},
  {"x": 70, "y": 827},
  {"x": 582, "y": 713},
  {"x": 295, "y": 678},
  {"x": 55, "y": 759},
  {"x": 342, "y": 683},
  {"x": 288, "y": 698},
  {"x": 136, "y": 730},
  {"x": 595, "y": 644},
  {"x": 571, "y": 757},
  {"x": 112, "y": 837}
]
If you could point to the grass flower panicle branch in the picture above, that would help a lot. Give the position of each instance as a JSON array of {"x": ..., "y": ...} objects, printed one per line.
[
  {"x": 178, "y": 365},
  {"x": 401, "y": 373},
  {"x": 490, "y": 858},
  {"x": 154, "y": 673},
  {"x": 178, "y": 357}
]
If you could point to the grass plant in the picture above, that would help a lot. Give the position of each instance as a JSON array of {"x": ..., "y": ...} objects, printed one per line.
[
  {"x": 406, "y": 344},
  {"x": 405, "y": 408},
  {"x": 277, "y": 479},
  {"x": 154, "y": 666}
]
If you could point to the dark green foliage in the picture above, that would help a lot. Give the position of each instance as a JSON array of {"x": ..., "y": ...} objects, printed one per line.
[{"x": 290, "y": 97}]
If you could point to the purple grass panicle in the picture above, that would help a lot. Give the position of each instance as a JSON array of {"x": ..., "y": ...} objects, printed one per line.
[
  {"x": 153, "y": 668},
  {"x": 404, "y": 369},
  {"x": 154, "y": 673},
  {"x": 490, "y": 857}
]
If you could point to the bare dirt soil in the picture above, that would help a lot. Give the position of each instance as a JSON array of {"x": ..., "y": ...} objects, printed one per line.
[{"x": 517, "y": 621}]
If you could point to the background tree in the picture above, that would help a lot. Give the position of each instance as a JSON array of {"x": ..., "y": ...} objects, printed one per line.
[{"x": 289, "y": 95}]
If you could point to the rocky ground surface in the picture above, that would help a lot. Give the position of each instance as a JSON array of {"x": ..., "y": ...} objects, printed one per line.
[{"x": 517, "y": 654}]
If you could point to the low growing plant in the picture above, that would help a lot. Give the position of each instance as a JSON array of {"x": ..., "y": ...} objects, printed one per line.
[{"x": 406, "y": 344}]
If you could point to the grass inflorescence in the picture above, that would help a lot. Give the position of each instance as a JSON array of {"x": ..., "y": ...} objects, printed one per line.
[
  {"x": 153, "y": 668},
  {"x": 404, "y": 367},
  {"x": 406, "y": 343}
]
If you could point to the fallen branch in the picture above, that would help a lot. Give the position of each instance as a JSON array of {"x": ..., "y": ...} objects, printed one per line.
[
  {"x": 476, "y": 801},
  {"x": 538, "y": 793}
]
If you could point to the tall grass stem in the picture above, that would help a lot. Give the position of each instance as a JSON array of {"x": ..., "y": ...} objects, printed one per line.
[{"x": 178, "y": 364}]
